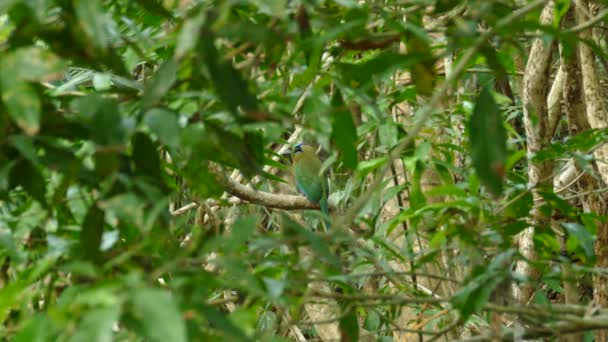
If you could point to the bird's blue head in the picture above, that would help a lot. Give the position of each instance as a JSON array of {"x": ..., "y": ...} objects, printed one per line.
[{"x": 298, "y": 148}]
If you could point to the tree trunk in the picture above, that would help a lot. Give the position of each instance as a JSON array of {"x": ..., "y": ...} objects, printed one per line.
[
  {"x": 536, "y": 121},
  {"x": 596, "y": 114}
]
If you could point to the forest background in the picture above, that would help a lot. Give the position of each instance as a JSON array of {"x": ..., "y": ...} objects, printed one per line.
[{"x": 143, "y": 194}]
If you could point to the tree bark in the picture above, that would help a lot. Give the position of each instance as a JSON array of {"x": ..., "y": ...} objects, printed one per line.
[
  {"x": 597, "y": 117},
  {"x": 536, "y": 121}
]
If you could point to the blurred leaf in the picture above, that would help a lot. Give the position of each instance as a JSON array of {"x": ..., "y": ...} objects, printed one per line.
[
  {"x": 103, "y": 119},
  {"x": 106, "y": 163},
  {"x": 160, "y": 83},
  {"x": 9, "y": 248},
  {"x": 372, "y": 321},
  {"x": 225, "y": 327},
  {"x": 36, "y": 329},
  {"x": 155, "y": 7},
  {"x": 189, "y": 34},
  {"x": 231, "y": 87},
  {"x": 520, "y": 204},
  {"x": 201, "y": 180},
  {"x": 417, "y": 43},
  {"x": 102, "y": 81},
  {"x": 476, "y": 292},
  {"x": 387, "y": 132},
  {"x": 32, "y": 63},
  {"x": 12, "y": 291},
  {"x": 241, "y": 231},
  {"x": 488, "y": 141},
  {"x": 582, "y": 236},
  {"x": 164, "y": 124},
  {"x": 94, "y": 22},
  {"x": 146, "y": 156},
  {"x": 344, "y": 132},
  {"x": 22, "y": 104},
  {"x": 96, "y": 325},
  {"x": 158, "y": 315},
  {"x": 554, "y": 202},
  {"x": 561, "y": 8},
  {"x": 27, "y": 175},
  {"x": 366, "y": 166},
  {"x": 25, "y": 145},
  {"x": 349, "y": 327},
  {"x": 317, "y": 244},
  {"x": 362, "y": 73},
  {"x": 91, "y": 233},
  {"x": 442, "y": 6}
]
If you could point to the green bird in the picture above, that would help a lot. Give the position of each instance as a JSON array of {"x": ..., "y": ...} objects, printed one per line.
[{"x": 306, "y": 170}]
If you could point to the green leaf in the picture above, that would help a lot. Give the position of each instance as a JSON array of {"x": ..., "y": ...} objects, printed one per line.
[
  {"x": 160, "y": 83},
  {"x": 201, "y": 180},
  {"x": 32, "y": 63},
  {"x": 582, "y": 237},
  {"x": 388, "y": 134},
  {"x": 12, "y": 291},
  {"x": 317, "y": 244},
  {"x": 225, "y": 327},
  {"x": 22, "y": 104},
  {"x": 164, "y": 124},
  {"x": 344, "y": 132},
  {"x": 102, "y": 81},
  {"x": 349, "y": 327},
  {"x": 96, "y": 325},
  {"x": 189, "y": 35},
  {"x": 91, "y": 233},
  {"x": 366, "y": 166},
  {"x": 36, "y": 329},
  {"x": 362, "y": 74},
  {"x": 561, "y": 8},
  {"x": 473, "y": 296},
  {"x": 103, "y": 119},
  {"x": 231, "y": 87},
  {"x": 158, "y": 315},
  {"x": 241, "y": 231},
  {"x": 25, "y": 145},
  {"x": 106, "y": 163},
  {"x": 27, "y": 175},
  {"x": 94, "y": 22},
  {"x": 155, "y": 7},
  {"x": 372, "y": 321},
  {"x": 488, "y": 141},
  {"x": 146, "y": 156},
  {"x": 520, "y": 204}
]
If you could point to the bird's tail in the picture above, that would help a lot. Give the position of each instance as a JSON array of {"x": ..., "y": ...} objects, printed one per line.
[{"x": 325, "y": 211}]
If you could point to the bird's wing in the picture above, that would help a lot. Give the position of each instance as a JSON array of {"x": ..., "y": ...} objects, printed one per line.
[{"x": 308, "y": 183}]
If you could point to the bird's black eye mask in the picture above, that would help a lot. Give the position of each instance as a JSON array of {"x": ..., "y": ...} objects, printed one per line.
[
  {"x": 293, "y": 151},
  {"x": 297, "y": 148}
]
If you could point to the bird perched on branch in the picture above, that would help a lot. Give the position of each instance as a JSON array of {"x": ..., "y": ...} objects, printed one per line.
[{"x": 306, "y": 170}]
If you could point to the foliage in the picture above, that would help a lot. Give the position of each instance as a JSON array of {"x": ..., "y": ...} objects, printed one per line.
[{"x": 112, "y": 112}]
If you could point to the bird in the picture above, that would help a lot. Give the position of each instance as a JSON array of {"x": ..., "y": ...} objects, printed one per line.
[{"x": 306, "y": 171}]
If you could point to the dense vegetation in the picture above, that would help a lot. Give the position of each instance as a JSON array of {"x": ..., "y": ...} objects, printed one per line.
[{"x": 143, "y": 195}]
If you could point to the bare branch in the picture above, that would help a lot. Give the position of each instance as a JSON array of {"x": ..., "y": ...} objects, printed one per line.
[{"x": 287, "y": 202}]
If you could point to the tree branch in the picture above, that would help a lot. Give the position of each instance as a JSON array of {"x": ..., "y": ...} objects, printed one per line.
[{"x": 286, "y": 202}]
